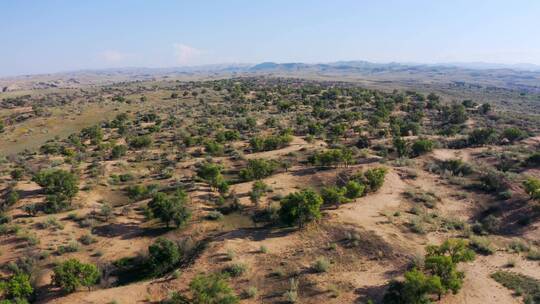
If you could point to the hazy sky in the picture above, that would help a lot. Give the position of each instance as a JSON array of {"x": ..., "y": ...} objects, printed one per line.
[{"x": 50, "y": 36}]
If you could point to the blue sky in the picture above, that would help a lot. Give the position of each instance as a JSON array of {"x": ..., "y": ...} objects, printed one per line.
[{"x": 49, "y": 36}]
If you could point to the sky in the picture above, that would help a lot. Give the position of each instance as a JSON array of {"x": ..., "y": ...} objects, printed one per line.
[{"x": 45, "y": 36}]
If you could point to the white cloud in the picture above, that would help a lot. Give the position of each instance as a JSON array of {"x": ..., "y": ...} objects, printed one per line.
[
  {"x": 185, "y": 54},
  {"x": 113, "y": 56}
]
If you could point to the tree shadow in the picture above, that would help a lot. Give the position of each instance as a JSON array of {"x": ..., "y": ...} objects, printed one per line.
[
  {"x": 255, "y": 233},
  {"x": 128, "y": 231},
  {"x": 374, "y": 293}
]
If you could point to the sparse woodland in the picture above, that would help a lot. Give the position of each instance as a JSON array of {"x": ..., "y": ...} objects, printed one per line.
[{"x": 266, "y": 190}]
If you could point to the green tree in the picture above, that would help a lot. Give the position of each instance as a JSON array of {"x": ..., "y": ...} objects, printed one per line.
[
  {"x": 213, "y": 148},
  {"x": 211, "y": 173},
  {"x": 17, "y": 286},
  {"x": 415, "y": 289},
  {"x": 170, "y": 208},
  {"x": 163, "y": 255},
  {"x": 258, "y": 169},
  {"x": 484, "y": 108},
  {"x": 421, "y": 146},
  {"x": 140, "y": 142},
  {"x": 374, "y": 178},
  {"x": 72, "y": 274},
  {"x": 401, "y": 146},
  {"x": 12, "y": 197},
  {"x": 513, "y": 134},
  {"x": 441, "y": 261},
  {"x": 57, "y": 181},
  {"x": 16, "y": 173},
  {"x": 354, "y": 189},
  {"x": 479, "y": 137},
  {"x": 300, "y": 207},
  {"x": 258, "y": 189},
  {"x": 532, "y": 187},
  {"x": 95, "y": 134},
  {"x": 60, "y": 186},
  {"x": 212, "y": 289},
  {"x": 118, "y": 151},
  {"x": 334, "y": 195},
  {"x": 331, "y": 157}
]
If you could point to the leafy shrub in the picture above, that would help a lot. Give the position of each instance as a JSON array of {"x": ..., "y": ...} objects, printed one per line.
[
  {"x": 333, "y": 195},
  {"x": 16, "y": 173},
  {"x": 354, "y": 189},
  {"x": 212, "y": 289},
  {"x": 170, "y": 208},
  {"x": 401, "y": 146},
  {"x": 375, "y": 178},
  {"x": 300, "y": 207},
  {"x": 482, "y": 245},
  {"x": 17, "y": 287},
  {"x": 235, "y": 270},
  {"x": 138, "y": 192},
  {"x": 533, "y": 160},
  {"x": 321, "y": 265},
  {"x": 163, "y": 255},
  {"x": 440, "y": 274},
  {"x": 331, "y": 157},
  {"x": 513, "y": 134},
  {"x": 118, "y": 151},
  {"x": 73, "y": 274},
  {"x": 61, "y": 186},
  {"x": 213, "y": 148},
  {"x": 421, "y": 146},
  {"x": 493, "y": 181},
  {"x": 258, "y": 189},
  {"x": 57, "y": 182},
  {"x": 532, "y": 187},
  {"x": 140, "y": 142},
  {"x": 416, "y": 288},
  {"x": 11, "y": 198},
  {"x": 479, "y": 137},
  {"x": 269, "y": 143},
  {"x": 258, "y": 169}
]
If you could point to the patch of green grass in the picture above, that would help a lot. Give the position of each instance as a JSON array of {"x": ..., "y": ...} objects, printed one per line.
[{"x": 520, "y": 284}]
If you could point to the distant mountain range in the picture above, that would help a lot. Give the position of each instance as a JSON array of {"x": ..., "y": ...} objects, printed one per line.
[{"x": 524, "y": 77}]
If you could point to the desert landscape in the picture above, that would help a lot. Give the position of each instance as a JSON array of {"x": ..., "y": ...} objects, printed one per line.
[
  {"x": 270, "y": 152},
  {"x": 266, "y": 189}
]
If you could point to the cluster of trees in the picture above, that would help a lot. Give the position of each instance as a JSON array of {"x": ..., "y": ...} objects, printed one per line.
[
  {"x": 438, "y": 275},
  {"x": 332, "y": 157},
  {"x": 485, "y": 136},
  {"x": 258, "y": 169},
  {"x": 60, "y": 186},
  {"x": 272, "y": 142},
  {"x": 170, "y": 208},
  {"x": 301, "y": 207},
  {"x": 211, "y": 173},
  {"x": 118, "y": 151},
  {"x": 73, "y": 274},
  {"x": 357, "y": 185},
  {"x": 213, "y": 148},
  {"x": 139, "y": 142},
  {"x": 417, "y": 148}
]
